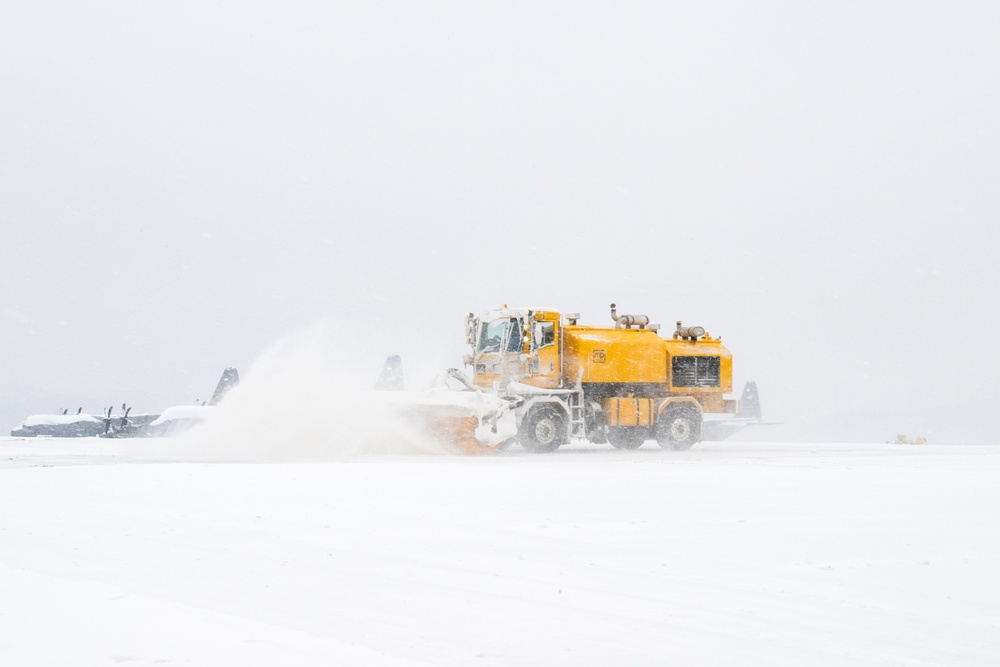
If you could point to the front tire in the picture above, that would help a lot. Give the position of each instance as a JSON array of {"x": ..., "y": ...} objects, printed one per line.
[
  {"x": 543, "y": 430},
  {"x": 678, "y": 428}
]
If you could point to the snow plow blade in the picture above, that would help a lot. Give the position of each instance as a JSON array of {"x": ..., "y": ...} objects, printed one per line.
[
  {"x": 459, "y": 421},
  {"x": 459, "y": 433},
  {"x": 455, "y": 414},
  {"x": 456, "y": 432}
]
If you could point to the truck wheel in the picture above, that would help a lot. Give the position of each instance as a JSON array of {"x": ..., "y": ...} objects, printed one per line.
[
  {"x": 678, "y": 428},
  {"x": 626, "y": 437},
  {"x": 543, "y": 430}
]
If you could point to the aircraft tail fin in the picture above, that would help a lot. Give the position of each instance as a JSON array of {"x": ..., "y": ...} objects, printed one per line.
[
  {"x": 750, "y": 402},
  {"x": 230, "y": 378},
  {"x": 391, "y": 378}
]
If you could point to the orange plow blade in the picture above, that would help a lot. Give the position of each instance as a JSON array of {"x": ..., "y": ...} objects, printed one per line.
[
  {"x": 457, "y": 420},
  {"x": 459, "y": 434}
]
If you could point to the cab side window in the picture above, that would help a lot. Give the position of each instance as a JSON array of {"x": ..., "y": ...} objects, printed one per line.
[{"x": 544, "y": 334}]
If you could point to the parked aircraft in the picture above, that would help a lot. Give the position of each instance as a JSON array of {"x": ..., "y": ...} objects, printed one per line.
[{"x": 125, "y": 424}]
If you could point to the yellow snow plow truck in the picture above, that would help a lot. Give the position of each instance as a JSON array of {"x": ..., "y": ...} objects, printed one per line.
[{"x": 624, "y": 384}]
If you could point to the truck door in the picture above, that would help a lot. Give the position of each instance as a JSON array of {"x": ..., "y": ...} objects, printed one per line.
[{"x": 545, "y": 347}]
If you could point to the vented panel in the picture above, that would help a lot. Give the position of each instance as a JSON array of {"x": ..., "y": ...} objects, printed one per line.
[{"x": 695, "y": 371}]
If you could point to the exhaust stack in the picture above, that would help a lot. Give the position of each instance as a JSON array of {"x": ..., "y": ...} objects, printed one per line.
[
  {"x": 628, "y": 321},
  {"x": 688, "y": 333}
]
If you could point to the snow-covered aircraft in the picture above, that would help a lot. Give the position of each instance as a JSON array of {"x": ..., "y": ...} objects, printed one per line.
[{"x": 124, "y": 425}]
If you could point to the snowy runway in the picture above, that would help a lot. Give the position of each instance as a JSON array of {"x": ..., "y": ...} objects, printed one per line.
[{"x": 742, "y": 553}]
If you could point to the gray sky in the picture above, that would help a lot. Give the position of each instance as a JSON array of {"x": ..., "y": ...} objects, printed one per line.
[{"x": 182, "y": 184}]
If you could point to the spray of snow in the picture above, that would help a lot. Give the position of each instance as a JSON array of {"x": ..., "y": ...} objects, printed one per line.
[{"x": 297, "y": 403}]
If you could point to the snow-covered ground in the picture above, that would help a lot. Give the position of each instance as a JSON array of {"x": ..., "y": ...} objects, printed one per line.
[{"x": 121, "y": 552}]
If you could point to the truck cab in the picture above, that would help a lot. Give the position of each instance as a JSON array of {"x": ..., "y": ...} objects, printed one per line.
[{"x": 515, "y": 345}]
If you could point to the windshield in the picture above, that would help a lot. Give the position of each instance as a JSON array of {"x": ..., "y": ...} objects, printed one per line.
[{"x": 505, "y": 331}]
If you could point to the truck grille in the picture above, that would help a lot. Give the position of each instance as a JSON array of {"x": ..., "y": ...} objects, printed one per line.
[{"x": 695, "y": 371}]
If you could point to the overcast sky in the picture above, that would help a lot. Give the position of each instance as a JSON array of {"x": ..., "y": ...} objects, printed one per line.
[{"x": 184, "y": 183}]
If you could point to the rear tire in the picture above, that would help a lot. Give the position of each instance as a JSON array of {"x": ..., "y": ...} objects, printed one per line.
[
  {"x": 543, "y": 430},
  {"x": 627, "y": 437},
  {"x": 678, "y": 428}
]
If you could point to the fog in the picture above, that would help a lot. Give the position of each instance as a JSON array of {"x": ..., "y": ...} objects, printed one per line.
[{"x": 184, "y": 184}]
